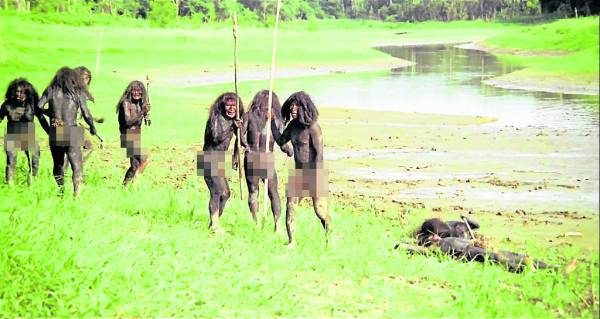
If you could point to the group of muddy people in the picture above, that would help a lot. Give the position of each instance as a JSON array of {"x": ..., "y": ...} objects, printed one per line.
[
  {"x": 63, "y": 105},
  {"x": 60, "y": 109},
  {"x": 293, "y": 126}
]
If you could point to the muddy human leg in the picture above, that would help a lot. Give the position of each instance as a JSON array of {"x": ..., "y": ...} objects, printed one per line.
[
  {"x": 66, "y": 163},
  {"x": 225, "y": 194},
  {"x": 253, "y": 184},
  {"x": 253, "y": 189},
  {"x": 275, "y": 201},
  {"x": 215, "y": 186},
  {"x": 320, "y": 206},
  {"x": 11, "y": 164},
  {"x": 29, "y": 166},
  {"x": 76, "y": 161},
  {"x": 292, "y": 203},
  {"x": 58, "y": 158},
  {"x": 134, "y": 161},
  {"x": 35, "y": 161}
]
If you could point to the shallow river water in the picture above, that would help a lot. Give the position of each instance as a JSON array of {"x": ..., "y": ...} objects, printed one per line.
[{"x": 448, "y": 80}]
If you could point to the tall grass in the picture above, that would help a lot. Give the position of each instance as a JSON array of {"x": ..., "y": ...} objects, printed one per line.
[{"x": 147, "y": 252}]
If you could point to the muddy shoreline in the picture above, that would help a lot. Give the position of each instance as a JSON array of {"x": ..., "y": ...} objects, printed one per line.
[
  {"x": 520, "y": 80},
  {"x": 523, "y": 180}
]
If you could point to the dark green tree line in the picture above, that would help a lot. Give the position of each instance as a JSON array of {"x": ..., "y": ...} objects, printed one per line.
[{"x": 163, "y": 11}]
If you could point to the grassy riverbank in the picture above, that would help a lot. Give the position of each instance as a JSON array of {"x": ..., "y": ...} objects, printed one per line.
[
  {"x": 146, "y": 251},
  {"x": 559, "y": 57}
]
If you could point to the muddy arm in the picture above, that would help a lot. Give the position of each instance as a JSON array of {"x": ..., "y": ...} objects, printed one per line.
[
  {"x": 39, "y": 112},
  {"x": 87, "y": 116},
  {"x": 129, "y": 119},
  {"x": 3, "y": 111},
  {"x": 287, "y": 147},
  {"x": 280, "y": 138},
  {"x": 316, "y": 139}
]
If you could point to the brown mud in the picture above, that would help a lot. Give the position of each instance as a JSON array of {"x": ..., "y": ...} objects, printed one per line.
[{"x": 532, "y": 186}]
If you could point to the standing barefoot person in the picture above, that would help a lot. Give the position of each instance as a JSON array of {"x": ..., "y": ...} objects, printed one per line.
[
  {"x": 20, "y": 102},
  {"x": 258, "y": 164},
  {"x": 309, "y": 178},
  {"x": 88, "y": 146},
  {"x": 66, "y": 95},
  {"x": 132, "y": 109},
  {"x": 220, "y": 128}
]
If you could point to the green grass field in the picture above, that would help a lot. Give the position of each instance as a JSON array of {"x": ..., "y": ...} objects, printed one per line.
[
  {"x": 566, "y": 48},
  {"x": 146, "y": 251}
]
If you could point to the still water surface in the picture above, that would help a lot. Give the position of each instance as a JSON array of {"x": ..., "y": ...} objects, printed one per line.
[{"x": 448, "y": 80}]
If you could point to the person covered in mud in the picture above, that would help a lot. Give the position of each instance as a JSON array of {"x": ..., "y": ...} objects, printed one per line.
[
  {"x": 66, "y": 95},
  {"x": 221, "y": 126},
  {"x": 309, "y": 178},
  {"x": 86, "y": 78},
  {"x": 259, "y": 164},
  {"x": 21, "y": 100},
  {"x": 132, "y": 109},
  {"x": 459, "y": 229},
  {"x": 453, "y": 240}
]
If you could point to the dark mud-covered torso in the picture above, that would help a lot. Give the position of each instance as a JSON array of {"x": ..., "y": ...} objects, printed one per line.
[
  {"x": 131, "y": 116},
  {"x": 63, "y": 108},
  {"x": 16, "y": 112},
  {"x": 20, "y": 130},
  {"x": 218, "y": 134},
  {"x": 305, "y": 153}
]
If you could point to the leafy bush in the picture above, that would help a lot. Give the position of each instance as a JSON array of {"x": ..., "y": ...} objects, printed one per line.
[{"x": 162, "y": 12}]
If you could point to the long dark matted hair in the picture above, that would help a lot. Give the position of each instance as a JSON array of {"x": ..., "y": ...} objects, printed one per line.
[
  {"x": 259, "y": 106},
  {"x": 218, "y": 107},
  {"x": 83, "y": 70},
  {"x": 30, "y": 92},
  {"x": 307, "y": 111},
  {"x": 430, "y": 227},
  {"x": 126, "y": 96},
  {"x": 67, "y": 81}
]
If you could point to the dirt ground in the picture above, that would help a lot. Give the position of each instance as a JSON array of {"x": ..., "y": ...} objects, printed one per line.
[{"x": 533, "y": 183}]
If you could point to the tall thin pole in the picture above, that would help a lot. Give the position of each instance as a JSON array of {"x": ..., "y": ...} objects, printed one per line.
[
  {"x": 271, "y": 82},
  {"x": 237, "y": 101}
]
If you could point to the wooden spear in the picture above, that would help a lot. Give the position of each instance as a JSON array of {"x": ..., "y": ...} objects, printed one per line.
[
  {"x": 237, "y": 103},
  {"x": 146, "y": 120},
  {"x": 270, "y": 100}
]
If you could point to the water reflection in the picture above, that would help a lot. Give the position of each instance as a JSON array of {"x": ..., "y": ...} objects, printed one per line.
[
  {"x": 448, "y": 80},
  {"x": 454, "y": 61}
]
